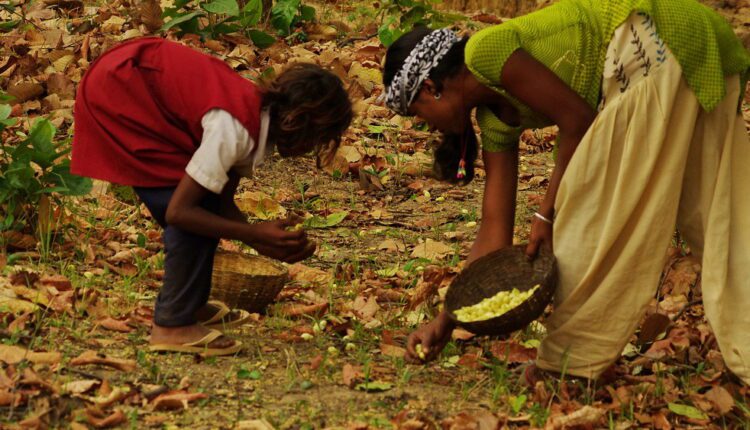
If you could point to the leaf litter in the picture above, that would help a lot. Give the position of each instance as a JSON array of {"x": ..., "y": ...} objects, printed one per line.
[{"x": 75, "y": 319}]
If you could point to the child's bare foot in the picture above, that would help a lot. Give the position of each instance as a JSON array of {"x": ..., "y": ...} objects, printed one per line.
[{"x": 185, "y": 335}]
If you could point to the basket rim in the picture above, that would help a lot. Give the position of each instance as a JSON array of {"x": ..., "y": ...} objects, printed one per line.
[{"x": 283, "y": 269}]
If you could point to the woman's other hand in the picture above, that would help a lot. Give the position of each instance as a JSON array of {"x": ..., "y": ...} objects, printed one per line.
[
  {"x": 541, "y": 236},
  {"x": 432, "y": 337}
]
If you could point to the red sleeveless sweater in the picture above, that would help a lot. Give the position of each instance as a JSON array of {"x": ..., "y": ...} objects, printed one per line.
[{"x": 139, "y": 107}]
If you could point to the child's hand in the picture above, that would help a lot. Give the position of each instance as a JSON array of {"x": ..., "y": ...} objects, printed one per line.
[
  {"x": 272, "y": 239},
  {"x": 432, "y": 338}
]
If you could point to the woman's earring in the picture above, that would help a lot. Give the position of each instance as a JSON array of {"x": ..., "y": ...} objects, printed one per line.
[{"x": 437, "y": 96}]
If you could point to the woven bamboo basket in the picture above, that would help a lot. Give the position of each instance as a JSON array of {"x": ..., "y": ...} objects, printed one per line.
[
  {"x": 504, "y": 270},
  {"x": 246, "y": 282}
]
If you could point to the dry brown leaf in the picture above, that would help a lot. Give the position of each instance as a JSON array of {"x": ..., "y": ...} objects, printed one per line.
[
  {"x": 17, "y": 306},
  {"x": 12, "y": 354},
  {"x": 653, "y": 326},
  {"x": 392, "y": 350},
  {"x": 151, "y": 15},
  {"x": 100, "y": 420},
  {"x": 32, "y": 378},
  {"x": 421, "y": 293},
  {"x": 461, "y": 334},
  {"x": 124, "y": 256},
  {"x": 321, "y": 32},
  {"x": 586, "y": 416},
  {"x": 365, "y": 308},
  {"x": 511, "y": 351},
  {"x": 369, "y": 182},
  {"x": 431, "y": 250},
  {"x": 107, "y": 397},
  {"x": 115, "y": 325},
  {"x": 260, "y": 205},
  {"x": 113, "y": 24},
  {"x": 295, "y": 310},
  {"x": 720, "y": 397},
  {"x": 389, "y": 295},
  {"x": 392, "y": 245},
  {"x": 80, "y": 386},
  {"x": 25, "y": 91},
  {"x": 176, "y": 399},
  {"x": 487, "y": 18},
  {"x": 337, "y": 166},
  {"x": 36, "y": 296},
  {"x": 660, "y": 421},
  {"x": 620, "y": 396},
  {"x": 60, "y": 84},
  {"x": 472, "y": 420},
  {"x": 10, "y": 398},
  {"x": 351, "y": 375},
  {"x": 60, "y": 282},
  {"x": 305, "y": 274},
  {"x": 18, "y": 241},
  {"x": 92, "y": 357},
  {"x": 260, "y": 424}
]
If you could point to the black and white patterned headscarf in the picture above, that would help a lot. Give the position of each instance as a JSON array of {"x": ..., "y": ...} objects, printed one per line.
[{"x": 417, "y": 66}]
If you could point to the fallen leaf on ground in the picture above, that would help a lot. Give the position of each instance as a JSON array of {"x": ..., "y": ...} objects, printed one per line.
[
  {"x": 81, "y": 386},
  {"x": 474, "y": 420},
  {"x": 461, "y": 334},
  {"x": 392, "y": 245},
  {"x": 60, "y": 282},
  {"x": 254, "y": 425},
  {"x": 176, "y": 400},
  {"x": 92, "y": 357},
  {"x": 512, "y": 351},
  {"x": 687, "y": 411},
  {"x": 432, "y": 280},
  {"x": 365, "y": 308},
  {"x": 115, "y": 325},
  {"x": 586, "y": 416},
  {"x": 350, "y": 375},
  {"x": 374, "y": 386},
  {"x": 260, "y": 205},
  {"x": 12, "y": 354},
  {"x": 721, "y": 398},
  {"x": 392, "y": 350},
  {"x": 301, "y": 273},
  {"x": 23, "y": 278},
  {"x": 295, "y": 310},
  {"x": 653, "y": 326},
  {"x": 431, "y": 250},
  {"x": 100, "y": 420},
  {"x": 17, "y": 306},
  {"x": 107, "y": 397}
]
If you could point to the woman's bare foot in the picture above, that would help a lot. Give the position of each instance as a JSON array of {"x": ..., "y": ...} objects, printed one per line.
[{"x": 185, "y": 334}]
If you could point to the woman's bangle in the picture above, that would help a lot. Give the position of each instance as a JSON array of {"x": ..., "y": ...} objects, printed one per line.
[{"x": 543, "y": 218}]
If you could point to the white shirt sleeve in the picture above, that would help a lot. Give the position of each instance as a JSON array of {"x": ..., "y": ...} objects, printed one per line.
[{"x": 225, "y": 143}]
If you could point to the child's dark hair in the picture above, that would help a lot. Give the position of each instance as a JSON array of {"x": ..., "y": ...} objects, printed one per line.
[
  {"x": 310, "y": 110},
  {"x": 449, "y": 151},
  {"x": 447, "y": 155}
]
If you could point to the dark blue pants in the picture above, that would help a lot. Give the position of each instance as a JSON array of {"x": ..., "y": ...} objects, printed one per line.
[{"x": 188, "y": 264}]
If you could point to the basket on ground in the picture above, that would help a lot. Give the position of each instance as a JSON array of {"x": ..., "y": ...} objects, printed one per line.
[
  {"x": 504, "y": 270},
  {"x": 245, "y": 281}
]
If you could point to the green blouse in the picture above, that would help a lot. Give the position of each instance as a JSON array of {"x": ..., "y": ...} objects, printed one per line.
[{"x": 571, "y": 38}]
